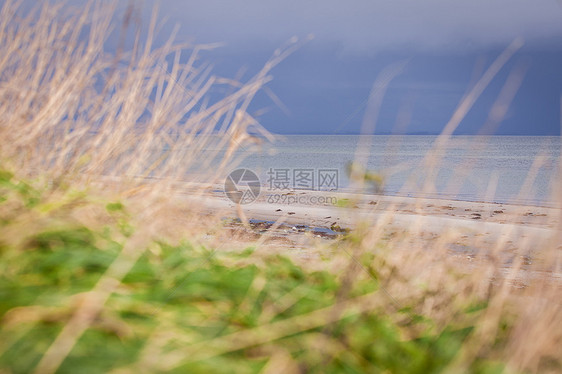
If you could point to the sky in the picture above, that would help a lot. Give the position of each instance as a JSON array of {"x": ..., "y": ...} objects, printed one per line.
[
  {"x": 324, "y": 86},
  {"x": 368, "y": 26}
]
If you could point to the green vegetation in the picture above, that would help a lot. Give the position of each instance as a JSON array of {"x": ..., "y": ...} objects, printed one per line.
[
  {"x": 358, "y": 173},
  {"x": 94, "y": 284},
  {"x": 186, "y": 308}
]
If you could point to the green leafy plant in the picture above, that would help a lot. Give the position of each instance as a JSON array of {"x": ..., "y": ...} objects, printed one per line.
[{"x": 188, "y": 308}]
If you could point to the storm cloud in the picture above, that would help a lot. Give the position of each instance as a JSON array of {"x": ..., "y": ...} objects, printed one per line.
[
  {"x": 367, "y": 25},
  {"x": 324, "y": 85}
]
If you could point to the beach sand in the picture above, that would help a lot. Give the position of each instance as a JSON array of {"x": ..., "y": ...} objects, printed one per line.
[
  {"x": 436, "y": 215},
  {"x": 474, "y": 231}
]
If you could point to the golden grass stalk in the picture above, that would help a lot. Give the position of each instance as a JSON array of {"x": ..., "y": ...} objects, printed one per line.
[{"x": 71, "y": 109}]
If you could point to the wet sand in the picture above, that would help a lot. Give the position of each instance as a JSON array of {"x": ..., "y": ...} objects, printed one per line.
[
  {"x": 474, "y": 230},
  {"x": 435, "y": 215}
]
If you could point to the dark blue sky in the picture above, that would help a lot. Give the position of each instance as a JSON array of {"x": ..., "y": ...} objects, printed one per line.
[
  {"x": 326, "y": 91},
  {"x": 325, "y": 84}
]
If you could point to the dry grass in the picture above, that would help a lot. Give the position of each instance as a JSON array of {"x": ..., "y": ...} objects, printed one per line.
[
  {"x": 71, "y": 109},
  {"x": 138, "y": 122}
]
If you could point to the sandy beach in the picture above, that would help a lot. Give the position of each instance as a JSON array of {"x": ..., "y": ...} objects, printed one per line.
[
  {"x": 472, "y": 230},
  {"x": 435, "y": 215}
]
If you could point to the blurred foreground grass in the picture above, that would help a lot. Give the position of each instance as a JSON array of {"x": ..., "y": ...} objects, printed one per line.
[
  {"x": 187, "y": 308},
  {"x": 91, "y": 285}
]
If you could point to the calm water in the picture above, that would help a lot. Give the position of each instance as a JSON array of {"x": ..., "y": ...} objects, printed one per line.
[{"x": 469, "y": 167}]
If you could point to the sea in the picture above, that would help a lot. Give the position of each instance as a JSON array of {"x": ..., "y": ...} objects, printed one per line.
[{"x": 501, "y": 169}]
